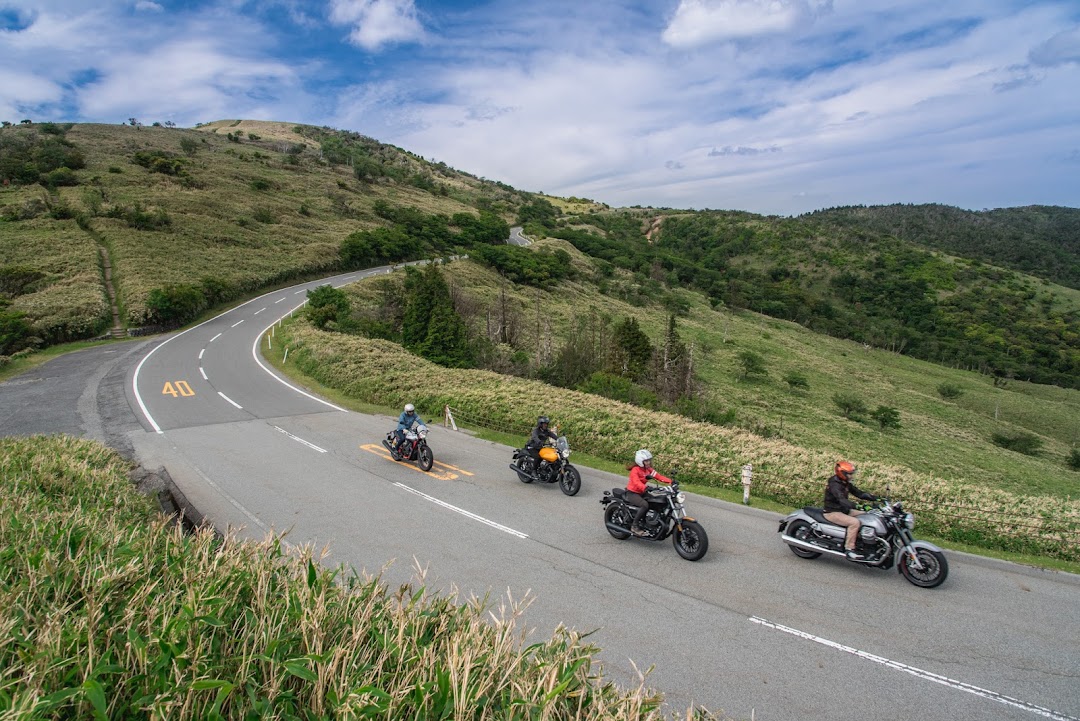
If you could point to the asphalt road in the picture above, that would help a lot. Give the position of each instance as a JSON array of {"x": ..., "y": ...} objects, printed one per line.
[{"x": 750, "y": 630}]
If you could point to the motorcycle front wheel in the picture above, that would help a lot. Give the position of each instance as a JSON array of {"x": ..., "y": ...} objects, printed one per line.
[
  {"x": 522, "y": 472},
  {"x": 935, "y": 568},
  {"x": 619, "y": 515},
  {"x": 425, "y": 458},
  {"x": 691, "y": 542},
  {"x": 570, "y": 483},
  {"x": 801, "y": 530}
]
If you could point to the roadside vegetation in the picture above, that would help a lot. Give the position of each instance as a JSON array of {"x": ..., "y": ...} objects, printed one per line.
[{"x": 111, "y": 611}]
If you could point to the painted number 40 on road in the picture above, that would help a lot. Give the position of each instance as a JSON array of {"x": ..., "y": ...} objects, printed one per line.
[{"x": 179, "y": 388}]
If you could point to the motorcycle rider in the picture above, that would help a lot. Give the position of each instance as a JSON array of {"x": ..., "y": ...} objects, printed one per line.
[
  {"x": 405, "y": 422},
  {"x": 840, "y": 510},
  {"x": 540, "y": 436},
  {"x": 640, "y": 473}
]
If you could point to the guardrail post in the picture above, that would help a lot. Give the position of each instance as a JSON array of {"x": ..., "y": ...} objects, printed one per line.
[
  {"x": 448, "y": 418},
  {"x": 747, "y": 477}
]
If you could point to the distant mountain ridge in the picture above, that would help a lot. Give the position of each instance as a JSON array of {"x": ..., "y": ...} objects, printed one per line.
[{"x": 1040, "y": 240}]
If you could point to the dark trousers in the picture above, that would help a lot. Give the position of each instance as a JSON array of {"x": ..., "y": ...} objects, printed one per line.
[{"x": 639, "y": 502}]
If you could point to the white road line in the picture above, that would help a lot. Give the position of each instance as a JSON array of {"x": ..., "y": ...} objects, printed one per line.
[
  {"x": 230, "y": 400},
  {"x": 260, "y": 310},
  {"x": 236, "y": 504},
  {"x": 298, "y": 439},
  {"x": 236, "y": 323},
  {"x": 300, "y": 291},
  {"x": 215, "y": 337},
  {"x": 201, "y": 353},
  {"x": 255, "y": 355},
  {"x": 278, "y": 301},
  {"x": 203, "y": 373},
  {"x": 920, "y": 673},
  {"x": 463, "y": 512}
]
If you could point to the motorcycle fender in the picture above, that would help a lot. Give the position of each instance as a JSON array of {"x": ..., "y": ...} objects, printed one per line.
[
  {"x": 688, "y": 518},
  {"x": 915, "y": 544}
]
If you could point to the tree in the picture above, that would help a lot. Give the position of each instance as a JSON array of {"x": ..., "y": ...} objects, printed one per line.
[
  {"x": 752, "y": 366},
  {"x": 175, "y": 304},
  {"x": 631, "y": 350},
  {"x": 431, "y": 327}
]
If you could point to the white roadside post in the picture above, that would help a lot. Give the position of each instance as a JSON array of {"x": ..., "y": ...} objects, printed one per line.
[{"x": 747, "y": 475}]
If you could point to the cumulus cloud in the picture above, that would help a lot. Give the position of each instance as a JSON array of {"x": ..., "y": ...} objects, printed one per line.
[
  {"x": 148, "y": 5},
  {"x": 1060, "y": 49},
  {"x": 697, "y": 22},
  {"x": 376, "y": 23}
]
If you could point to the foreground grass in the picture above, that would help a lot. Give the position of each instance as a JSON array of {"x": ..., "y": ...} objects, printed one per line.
[{"x": 110, "y": 611}]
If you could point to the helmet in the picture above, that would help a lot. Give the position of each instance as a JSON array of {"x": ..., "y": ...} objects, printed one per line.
[
  {"x": 641, "y": 456},
  {"x": 845, "y": 470},
  {"x": 410, "y": 408},
  {"x": 543, "y": 421}
]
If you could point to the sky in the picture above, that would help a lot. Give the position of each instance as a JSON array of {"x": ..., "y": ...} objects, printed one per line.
[{"x": 777, "y": 107}]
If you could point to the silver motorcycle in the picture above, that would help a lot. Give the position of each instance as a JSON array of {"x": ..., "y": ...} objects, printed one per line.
[{"x": 884, "y": 539}]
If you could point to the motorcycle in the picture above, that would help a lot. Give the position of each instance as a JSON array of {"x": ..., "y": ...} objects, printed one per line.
[
  {"x": 665, "y": 517},
  {"x": 554, "y": 467},
  {"x": 884, "y": 539},
  {"x": 413, "y": 448}
]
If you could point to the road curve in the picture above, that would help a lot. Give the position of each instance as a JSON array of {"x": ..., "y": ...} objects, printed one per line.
[{"x": 750, "y": 630}]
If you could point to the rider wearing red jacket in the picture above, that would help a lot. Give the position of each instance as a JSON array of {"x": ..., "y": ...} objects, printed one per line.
[{"x": 640, "y": 473}]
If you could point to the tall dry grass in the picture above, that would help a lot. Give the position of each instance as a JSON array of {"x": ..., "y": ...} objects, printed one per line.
[
  {"x": 109, "y": 611},
  {"x": 384, "y": 373}
]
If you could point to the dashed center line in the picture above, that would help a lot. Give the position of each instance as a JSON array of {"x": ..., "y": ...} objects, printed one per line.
[
  {"x": 236, "y": 323},
  {"x": 203, "y": 373},
  {"x": 215, "y": 337},
  {"x": 230, "y": 400},
  {"x": 462, "y": 511}
]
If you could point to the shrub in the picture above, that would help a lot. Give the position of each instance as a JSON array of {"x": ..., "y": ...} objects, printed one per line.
[
  {"x": 260, "y": 184},
  {"x": 796, "y": 381},
  {"x": 1073, "y": 461},
  {"x": 160, "y": 161},
  {"x": 326, "y": 305},
  {"x": 189, "y": 146},
  {"x": 949, "y": 391},
  {"x": 264, "y": 215},
  {"x": 175, "y": 304},
  {"x": 15, "y": 332},
  {"x": 886, "y": 417},
  {"x": 59, "y": 177},
  {"x": 114, "y": 169},
  {"x": 1027, "y": 443},
  {"x": 850, "y": 405}
]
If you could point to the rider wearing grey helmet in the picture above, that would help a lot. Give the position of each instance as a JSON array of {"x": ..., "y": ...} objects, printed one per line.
[{"x": 540, "y": 435}]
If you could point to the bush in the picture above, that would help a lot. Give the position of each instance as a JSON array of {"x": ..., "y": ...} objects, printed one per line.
[
  {"x": 1027, "y": 443},
  {"x": 752, "y": 365},
  {"x": 189, "y": 146},
  {"x": 15, "y": 332},
  {"x": 326, "y": 305},
  {"x": 886, "y": 417},
  {"x": 1073, "y": 461},
  {"x": 175, "y": 304},
  {"x": 949, "y": 391},
  {"x": 59, "y": 177},
  {"x": 851, "y": 405},
  {"x": 796, "y": 381},
  {"x": 260, "y": 184},
  {"x": 264, "y": 215}
]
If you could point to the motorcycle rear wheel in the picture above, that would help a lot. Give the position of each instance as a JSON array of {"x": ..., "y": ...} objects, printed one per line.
[
  {"x": 802, "y": 531},
  {"x": 935, "y": 568},
  {"x": 691, "y": 542},
  {"x": 570, "y": 483},
  {"x": 425, "y": 458},
  {"x": 619, "y": 515},
  {"x": 523, "y": 474}
]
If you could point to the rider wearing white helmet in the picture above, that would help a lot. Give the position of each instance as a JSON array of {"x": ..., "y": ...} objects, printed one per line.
[
  {"x": 640, "y": 473},
  {"x": 405, "y": 422}
]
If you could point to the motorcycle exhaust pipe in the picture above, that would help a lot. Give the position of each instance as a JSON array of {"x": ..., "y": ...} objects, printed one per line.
[
  {"x": 792, "y": 541},
  {"x": 617, "y": 529}
]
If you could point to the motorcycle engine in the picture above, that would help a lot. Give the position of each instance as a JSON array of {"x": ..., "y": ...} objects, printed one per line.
[{"x": 652, "y": 519}]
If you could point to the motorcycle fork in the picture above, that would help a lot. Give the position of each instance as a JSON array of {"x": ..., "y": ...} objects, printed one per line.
[{"x": 907, "y": 549}]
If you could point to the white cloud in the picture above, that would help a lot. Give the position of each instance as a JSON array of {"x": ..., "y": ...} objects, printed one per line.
[
  {"x": 148, "y": 5},
  {"x": 21, "y": 93},
  {"x": 697, "y": 22},
  {"x": 378, "y": 22}
]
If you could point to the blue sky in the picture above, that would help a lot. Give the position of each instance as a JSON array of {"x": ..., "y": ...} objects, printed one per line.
[{"x": 771, "y": 106}]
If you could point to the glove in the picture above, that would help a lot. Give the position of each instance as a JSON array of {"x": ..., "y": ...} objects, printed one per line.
[{"x": 872, "y": 498}]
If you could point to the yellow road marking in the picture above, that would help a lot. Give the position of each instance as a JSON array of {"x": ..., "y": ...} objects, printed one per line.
[{"x": 380, "y": 450}]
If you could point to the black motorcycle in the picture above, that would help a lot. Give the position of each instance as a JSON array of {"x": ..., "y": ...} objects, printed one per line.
[
  {"x": 664, "y": 518},
  {"x": 413, "y": 448},
  {"x": 884, "y": 539},
  {"x": 553, "y": 467}
]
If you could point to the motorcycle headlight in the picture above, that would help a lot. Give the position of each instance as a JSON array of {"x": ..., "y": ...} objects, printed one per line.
[
  {"x": 680, "y": 497},
  {"x": 566, "y": 453},
  {"x": 909, "y": 520}
]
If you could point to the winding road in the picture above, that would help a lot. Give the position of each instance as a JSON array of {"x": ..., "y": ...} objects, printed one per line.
[{"x": 750, "y": 631}]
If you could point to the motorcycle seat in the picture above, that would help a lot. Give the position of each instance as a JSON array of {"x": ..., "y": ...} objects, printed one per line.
[
  {"x": 618, "y": 492},
  {"x": 818, "y": 514}
]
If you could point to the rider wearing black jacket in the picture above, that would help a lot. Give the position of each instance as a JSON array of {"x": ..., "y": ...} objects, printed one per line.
[
  {"x": 539, "y": 438},
  {"x": 842, "y": 511}
]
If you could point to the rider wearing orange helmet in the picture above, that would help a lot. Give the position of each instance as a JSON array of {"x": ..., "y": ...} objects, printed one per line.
[{"x": 840, "y": 510}]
